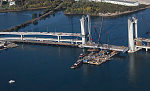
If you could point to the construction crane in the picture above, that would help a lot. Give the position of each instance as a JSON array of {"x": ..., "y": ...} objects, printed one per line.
[{"x": 101, "y": 28}]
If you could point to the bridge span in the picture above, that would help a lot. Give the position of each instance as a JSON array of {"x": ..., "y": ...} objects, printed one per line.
[
  {"x": 42, "y": 33},
  {"x": 81, "y": 40},
  {"x": 40, "y": 39}
]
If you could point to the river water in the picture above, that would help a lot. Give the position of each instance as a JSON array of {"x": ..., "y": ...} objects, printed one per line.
[{"x": 47, "y": 68}]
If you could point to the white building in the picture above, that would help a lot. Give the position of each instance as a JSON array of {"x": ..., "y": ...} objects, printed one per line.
[
  {"x": 119, "y": 2},
  {"x": 11, "y": 3}
]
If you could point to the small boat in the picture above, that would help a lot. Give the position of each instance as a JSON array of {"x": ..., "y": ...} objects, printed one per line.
[
  {"x": 74, "y": 66},
  {"x": 12, "y": 81},
  {"x": 82, "y": 55},
  {"x": 78, "y": 63}
]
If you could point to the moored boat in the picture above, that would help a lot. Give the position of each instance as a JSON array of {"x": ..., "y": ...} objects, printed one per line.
[{"x": 78, "y": 63}]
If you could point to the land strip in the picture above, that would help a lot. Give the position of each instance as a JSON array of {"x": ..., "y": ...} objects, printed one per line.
[{"x": 15, "y": 28}]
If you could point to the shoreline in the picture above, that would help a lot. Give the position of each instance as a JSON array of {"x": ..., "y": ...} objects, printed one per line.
[
  {"x": 113, "y": 14},
  {"x": 17, "y": 27},
  {"x": 100, "y": 14},
  {"x": 29, "y": 9}
]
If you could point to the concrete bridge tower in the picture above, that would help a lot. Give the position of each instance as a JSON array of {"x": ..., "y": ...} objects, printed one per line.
[
  {"x": 89, "y": 28},
  {"x": 86, "y": 29},
  {"x": 83, "y": 29},
  {"x": 132, "y": 27}
]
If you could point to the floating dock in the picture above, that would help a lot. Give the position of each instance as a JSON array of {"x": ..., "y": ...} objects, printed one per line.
[
  {"x": 95, "y": 58},
  {"x": 5, "y": 45},
  {"x": 100, "y": 57}
]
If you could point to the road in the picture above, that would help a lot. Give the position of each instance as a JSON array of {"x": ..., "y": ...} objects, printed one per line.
[{"x": 141, "y": 1}]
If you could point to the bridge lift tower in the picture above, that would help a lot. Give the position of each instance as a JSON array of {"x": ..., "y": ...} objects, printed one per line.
[
  {"x": 132, "y": 26},
  {"x": 86, "y": 33},
  {"x": 134, "y": 42}
]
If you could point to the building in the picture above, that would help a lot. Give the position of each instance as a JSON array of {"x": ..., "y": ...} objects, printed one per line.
[{"x": 11, "y": 3}]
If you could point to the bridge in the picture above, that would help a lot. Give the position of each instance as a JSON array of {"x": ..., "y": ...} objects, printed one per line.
[
  {"x": 59, "y": 36},
  {"x": 42, "y": 33},
  {"x": 40, "y": 39},
  {"x": 81, "y": 40},
  {"x": 105, "y": 47}
]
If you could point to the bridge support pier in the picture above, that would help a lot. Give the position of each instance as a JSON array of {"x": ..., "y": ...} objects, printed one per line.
[
  {"x": 146, "y": 49},
  {"x": 21, "y": 37},
  {"x": 83, "y": 29},
  {"x": 58, "y": 38}
]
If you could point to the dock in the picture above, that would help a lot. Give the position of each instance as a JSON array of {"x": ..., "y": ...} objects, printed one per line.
[
  {"x": 5, "y": 45},
  {"x": 95, "y": 58},
  {"x": 100, "y": 57}
]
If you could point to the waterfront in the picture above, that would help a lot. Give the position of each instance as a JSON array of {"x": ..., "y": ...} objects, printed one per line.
[{"x": 46, "y": 68}]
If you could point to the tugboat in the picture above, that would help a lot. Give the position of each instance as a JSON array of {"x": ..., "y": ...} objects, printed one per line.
[
  {"x": 82, "y": 55},
  {"x": 78, "y": 63}
]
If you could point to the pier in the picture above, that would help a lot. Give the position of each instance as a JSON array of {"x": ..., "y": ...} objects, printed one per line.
[
  {"x": 5, "y": 45},
  {"x": 100, "y": 57}
]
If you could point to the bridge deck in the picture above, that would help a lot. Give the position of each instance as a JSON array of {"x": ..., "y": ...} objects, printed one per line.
[
  {"x": 45, "y": 43},
  {"x": 143, "y": 39},
  {"x": 41, "y": 39},
  {"x": 60, "y": 41},
  {"x": 41, "y": 33},
  {"x": 106, "y": 46}
]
